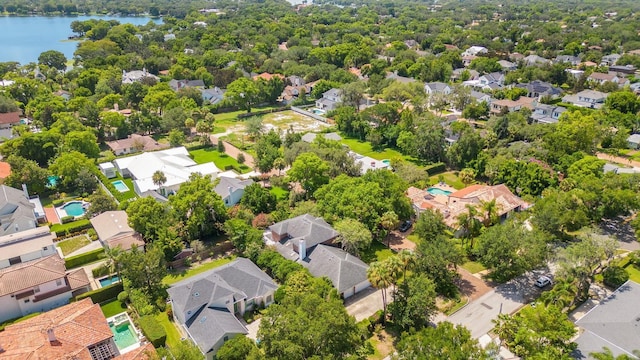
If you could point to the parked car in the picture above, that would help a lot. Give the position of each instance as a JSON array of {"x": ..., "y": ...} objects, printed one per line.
[
  {"x": 405, "y": 226},
  {"x": 542, "y": 282}
]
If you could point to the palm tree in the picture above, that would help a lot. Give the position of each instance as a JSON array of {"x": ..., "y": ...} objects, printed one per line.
[
  {"x": 468, "y": 224},
  {"x": 408, "y": 259},
  {"x": 113, "y": 259},
  {"x": 389, "y": 221},
  {"x": 394, "y": 267},
  {"x": 380, "y": 278},
  {"x": 158, "y": 178},
  {"x": 490, "y": 210}
]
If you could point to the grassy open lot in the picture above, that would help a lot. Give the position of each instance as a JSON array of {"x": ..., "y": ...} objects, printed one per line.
[
  {"x": 221, "y": 118},
  {"x": 450, "y": 178},
  {"x": 112, "y": 308},
  {"x": 221, "y": 160},
  {"x": 376, "y": 252},
  {"x": 175, "y": 276},
  {"x": 70, "y": 245},
  {"x": 173, "y": 336}
]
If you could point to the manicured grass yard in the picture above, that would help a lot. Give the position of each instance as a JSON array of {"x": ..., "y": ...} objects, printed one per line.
[
  {"x": 279, "y": 192},
  {"x": 70, "y": 245},
  {"x": 131, "y": 194},
  {"x": 376, "y": 252},
  {"x": 112, "y": 308},
  {"x": 473, "y": 267},
  {"x": 634, "y": 272},
  {"x": 175, "y": 276},
  {"x": 364, "y": 148},
  {"x": 450, "y": 178},
  {"x": 221, "y": 160},
  {"x": 173, "y": 335}
]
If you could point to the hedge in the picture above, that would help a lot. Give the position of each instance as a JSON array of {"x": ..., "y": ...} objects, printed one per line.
[
  {"x": 88, "y": 257},
  {"x": 63, "y": 230},
  {"x": 435, "y": 169},
  {"x": 112, "y": 189},
  {"x": 103, "y": 294},
  {"x": 100, "y": 271},
  {"x": 153, "y": 330},
  {"x": 263, "y": 112},
  {"x": 67, "y": 219}
]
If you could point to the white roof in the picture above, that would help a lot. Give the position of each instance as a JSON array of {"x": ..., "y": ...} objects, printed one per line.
[
  {"x": 106, "y": 166},
  {"x": 367, "y": 163}
]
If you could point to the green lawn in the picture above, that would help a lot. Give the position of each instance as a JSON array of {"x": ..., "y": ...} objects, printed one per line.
[
  {"x": 174, "y": 276},
  {"x": 634, "y": 272},
  {"x": 279, "y": 192},
  {"x": 233, "y": 115},
  {"x": 131, "y": 194},
  {"x": 62, "y": 227},
  {"x": 473, "y": 267},
  {"x": 221, "y": 160},
  {"x": 450, "y": 178},
  {"x": 173, "y": 336},
  {"x": 73, "y": 244},
  {"x": 376, "y": 252},
  {"x": 364, "y": 148},
  {"x": 112, "y": 308}
]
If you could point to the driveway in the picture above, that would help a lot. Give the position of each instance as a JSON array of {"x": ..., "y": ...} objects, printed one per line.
[
  {"x": 253, "y": 329},
  {"x": 365, "y": 303}
]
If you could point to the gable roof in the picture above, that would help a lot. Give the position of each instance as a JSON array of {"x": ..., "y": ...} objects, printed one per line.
[
  {"x": 437, "y": 86},
  {"x": 602, "y": 76},
  {"x": 76, "y": 327},
  {"x": 228, "y": 184},
  {"x": 111, "y": 224},
  {"x": 305, "y": 227},
  {"x": 10, "y": 118},
  {"x": 344, "y": 270},
  {"x": 147, "y": 143},
  {"x": 16, "y": 212},
  {"x": 210, "y": 325},
  {"x": 613, "y": 323}
]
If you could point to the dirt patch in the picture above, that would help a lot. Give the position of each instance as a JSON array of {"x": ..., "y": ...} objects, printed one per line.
[
  {"x": 383, "y": 343},
  {"x": 472, "y": 286},
  {"x": 397, "y": 241}
]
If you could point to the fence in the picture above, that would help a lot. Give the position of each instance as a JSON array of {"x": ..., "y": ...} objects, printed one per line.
[
  {"x": 214, "y": 251},
  {"x": 310, "y": 114}
]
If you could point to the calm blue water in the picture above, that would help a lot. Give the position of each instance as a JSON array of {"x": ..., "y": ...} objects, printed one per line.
[
  {"x": 74, "y": 208},
  {"x": 109, "y": 280},
  {"x": 124, "y": 335},
  {"x": 23, "y": 38},
  {"x": 120, "y": 186},
  {"x": 436, "y": 191}
]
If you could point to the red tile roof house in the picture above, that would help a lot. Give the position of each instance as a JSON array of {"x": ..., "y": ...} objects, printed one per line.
[
  {"x": 38, "y": 285},
  {"x": 76, "y": 331},
  {"x": 8, "y": 120},
  {"x": 135, "y": 143}
]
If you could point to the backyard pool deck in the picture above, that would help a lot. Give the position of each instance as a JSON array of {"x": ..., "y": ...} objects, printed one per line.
[
  {"x": 444, "y": 187},
  {"x": 52, "y": 215}
]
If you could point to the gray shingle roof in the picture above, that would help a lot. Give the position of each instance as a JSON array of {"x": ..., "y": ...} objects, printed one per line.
[
  {"x": 211, "y": 325},
  {"x": 344, "y": 270},
  {"x": 615, "y": 323},
  {"x": 16, "y": 212},
  {"x": 305, "y": 227},
  {"x": 227, "y": 183}
]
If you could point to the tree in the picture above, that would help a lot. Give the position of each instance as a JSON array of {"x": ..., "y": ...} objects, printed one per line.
[
  {"x": 243, "y": 92},
  {"x": 197, "y": 207},
  {"x": 310, "y": 171},
  {"x": 268, "y": 150},
  {"x": 380, "y": 278},
  {"x": 242, "y": 234},
  {"x": 468, "y": 224},
  {"x": 467, "y": 176},
  {"x": 430, "y": 225},
  {"x": 7, "y": 105},
  {"x": 254, "y": 127},
  {"x": 26, "y": 172},
  {"x": 159, "y": 178},
  {"x": 307, "y": 326},
  {"x": 241, "y": 158},
  {"x": 183, "y": 350},
  {"x": 414, "y": 302},
  {"x": 353, "y": 94},
  {"x": 54, "y": 59},
  {"x": 438, "y": 258},
  {"x": 100, "y": 202},
  {"x": 258, "y": 199},
  {"x": 444, "y": 342},
  {"x": 68, "y": 165},
  {"x": 147, "y": 216},
  {"x": 542, "y": 331},
  {"x": 220, "y": 147},
  {"x": 354, "y": 236},
  {"x": 389, "y": 221},
  {"x": 84, "y": 142},
  {"x": 623, "y": 101},
  {"x": 144, "y": 270},
  {"x": 466, "y": 149},
  {"x": 238, "y": 348},
  {"x": 176, "y": 137},
  {"x": 607, "y": 354}
]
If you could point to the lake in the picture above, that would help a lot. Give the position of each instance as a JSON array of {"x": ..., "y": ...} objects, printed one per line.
[{"x": 23, "y": 38}]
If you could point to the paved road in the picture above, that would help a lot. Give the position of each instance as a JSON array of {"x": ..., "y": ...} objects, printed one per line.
[{"x": 507, "y": 298}]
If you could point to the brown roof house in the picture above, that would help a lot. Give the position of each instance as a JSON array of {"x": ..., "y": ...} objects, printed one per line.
[
  {"x": 451, "y": 204},
  {"x": 113, "y": 230},
  {"x": 309, "y": 240},
  {"x": 135, "y": 143},
  {"x": 38, "y": 285},
  {"x": 76, "y": 331},
  {"x": 8, "y": 121},
  {"x": 497, "y": 106}
]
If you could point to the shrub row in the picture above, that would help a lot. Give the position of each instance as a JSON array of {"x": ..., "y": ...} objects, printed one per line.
[
  {"x": 435, "y": 169},
  {"x": 262, "y": 112},
  {"x": 57, "y": 202},
  {"x": 152, "y": 330},
  {"x": 67, "y": 219},
  {"x": 112, "y": 189},
  {"x": 100, "y": 271},
  {"x": 79, "y": 260},
  {"x": 103, "y": 294},
  {"x": 77, "y": 227},
  {"x": 277, "y": 265}
]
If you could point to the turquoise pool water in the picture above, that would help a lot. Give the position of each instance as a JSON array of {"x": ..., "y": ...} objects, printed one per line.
[
  {"x": 120, "y": 186},
  {"x": 437, "y": 191},
  {"x": 74, "y": 208},
  {"x": 318, "y": 111},
  {"x": 109, "y": 280},
  {"x": 52, "y": 180},
  {"x": 123, "y": 334}
]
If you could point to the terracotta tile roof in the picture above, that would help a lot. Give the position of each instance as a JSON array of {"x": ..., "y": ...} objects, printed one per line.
[
  {"x": 144, "y": 352},
  {"x": 75, "y": 326},
  {"x": 5, "y": 170},
  {"x": 126, "y": 241},
  {"x": 267, "y": 76},
  {"x": 468, "y": 190},
  {"x": 10, "y": 118},
  {"x": 146, "y": 142}
]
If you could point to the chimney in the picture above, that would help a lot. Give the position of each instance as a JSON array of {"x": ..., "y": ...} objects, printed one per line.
[
  {"x": 302, "y": 249},
  {"x": 26, "y": 192},
  {"x": 230, "y": 189},
  {"x": 373, "y": 164},
  {"x": 51, "y": 335}
]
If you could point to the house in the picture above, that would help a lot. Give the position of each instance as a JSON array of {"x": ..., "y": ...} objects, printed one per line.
[
  {"x": 107, "y": 169},
  {"x": 9, "y": 120},
  {"x": 458, "y": 74},
  {"x": 168, "y": 37},
  {"x": 575, "y": 73},
  {"x": 17, "y": 211},
  {"x": 411, "y": 44},
  {"x": 63, "y": 94},
  {"x": 475, "y": 51},
  {"x": 601, "y": 78},
  {"x": 367, "y": 163},
  {"x": 498, "y": 106},
  {"x": 586, "y": 98},
  {"x": 609, "y": 60},
  {"x": 308, "y": 240},
  {"x": 231, "y": 189},
  {"x": 310, "y": 137},
  {"x": 176, "y": 85},
  {"x": 291, "y": 93},
  {"x": 437, "y": 88},
  {"x": 612, "y": 324},
  {"x": 266, "y": 76},
  {"x": 623, "y": 69},
  {"x": 547, "y": 114},
  {"x": 507, "y": 65},
  {"x": 492, "y": 78},
  {"x": 633, "y": 141},
  {"x": 136, "y": 76},
  {"x": 175, "y": 163},
  {"x": 451, "y": 202},
  {"x": 213, "y": 95},
  {"x": 567, "y": 59},
  {"x": 539, "y": 89},
  {"x": 113, "y": 230},
  {"x": 38, "y": 285},
  {"x": 402, "y": 79},
  {"x": 295, "y": 80},
  {"x": 206, "y": 305},
  {"x": 25, "y": 246},
  {"x": 535, "y": 60},
  {"x": 4, "y": 83},
  {"x": 330, "y": 100},
  {"x": 466, "y": 60},
  {"x": 516, "y": 57},
  {"x": 135, "y": 143}
]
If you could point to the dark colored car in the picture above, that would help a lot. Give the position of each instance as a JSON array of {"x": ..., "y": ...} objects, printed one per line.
[{"x": 405, "y": 226}]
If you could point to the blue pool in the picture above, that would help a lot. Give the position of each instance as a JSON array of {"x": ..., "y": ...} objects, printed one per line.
[
  {"x": 318, "y": 111},
  {"x": 52, "y": 181},
  {"x": 109, "y": 280},
  {"x": 437, "y": 191},
  {"x": 123, "y": 334},
  {"x": 120, "y": 186},
  {"x": 74, "y": 208}
]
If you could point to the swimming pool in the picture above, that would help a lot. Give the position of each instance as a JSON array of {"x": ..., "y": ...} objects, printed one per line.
[
  {"x": 109, "y": 280},
  {"x": 52, "y": 181},
  {"x": 123, "y": 334},
  {"x": 318, "y": 111},
  {"x": 74, "y": 208},
  {"x": 120, "y": 186},
  {"x": 437, "y": 191}
]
